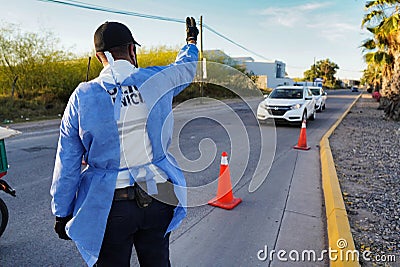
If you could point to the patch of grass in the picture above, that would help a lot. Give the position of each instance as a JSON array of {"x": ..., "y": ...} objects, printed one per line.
[{"x": 19, "y": 110}]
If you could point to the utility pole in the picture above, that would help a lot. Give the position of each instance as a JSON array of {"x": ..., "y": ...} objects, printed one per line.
[
  {"x": 315, "y": 73},
  {"x": 201, "y": 59},
  {"x": 88, "y": 69},
  {"x": 201, "y": 38}
]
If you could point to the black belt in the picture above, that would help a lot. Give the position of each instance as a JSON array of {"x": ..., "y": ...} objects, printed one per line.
[
  {"x": 126, "y": 193},
  {"x": 165, "y": 193}
]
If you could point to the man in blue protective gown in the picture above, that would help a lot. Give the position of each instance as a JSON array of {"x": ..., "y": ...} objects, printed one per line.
[{"x": 132, "y": 192}]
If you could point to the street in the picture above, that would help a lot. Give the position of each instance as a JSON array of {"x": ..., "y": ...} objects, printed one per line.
[{"x": 272, "y": 216}]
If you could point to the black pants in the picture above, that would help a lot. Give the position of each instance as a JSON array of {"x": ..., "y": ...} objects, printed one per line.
[{"x": 144, "y": 228}]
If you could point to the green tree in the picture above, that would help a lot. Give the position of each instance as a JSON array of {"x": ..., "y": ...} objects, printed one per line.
[
  {"x": 36, "y": 77},
  {"x": 324, "y": 69},
  {"x": 373, "y": 76},
  {"x": 382, "y": 51},
  {"x": 31, "y": 57}
]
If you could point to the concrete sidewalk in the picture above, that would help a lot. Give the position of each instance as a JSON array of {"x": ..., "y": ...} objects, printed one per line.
[{"x": 33, "y": 126}]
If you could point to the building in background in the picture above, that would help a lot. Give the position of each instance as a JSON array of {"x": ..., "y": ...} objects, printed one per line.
[
  {"x": 346, "y": 83},
  {"x": 271, "y": 74}
]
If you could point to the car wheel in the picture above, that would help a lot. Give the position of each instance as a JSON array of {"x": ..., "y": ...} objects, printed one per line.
[
  {"x": 314, "y": 115},
  {"x": 304, "y": 117}
]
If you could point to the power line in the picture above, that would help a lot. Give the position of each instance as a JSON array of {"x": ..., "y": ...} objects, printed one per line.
[
  {"x": 111, "y": 10},
  {"x": 79, "y": 4},
  {"x": 233, "y": 42}
]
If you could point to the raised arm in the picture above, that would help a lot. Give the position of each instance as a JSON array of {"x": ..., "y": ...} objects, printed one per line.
[{"x": 177, "y": 75}]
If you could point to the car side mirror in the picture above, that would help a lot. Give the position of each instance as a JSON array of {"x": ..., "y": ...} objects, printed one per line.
[{"x": 266, "y": 95}]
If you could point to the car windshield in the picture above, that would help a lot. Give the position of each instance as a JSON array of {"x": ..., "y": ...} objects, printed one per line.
[
  {"x": 287, "y": 93},
  {"x": 315, "y": 91}
]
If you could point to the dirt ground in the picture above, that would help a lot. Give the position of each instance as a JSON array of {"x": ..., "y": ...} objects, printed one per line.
[{"x": 366, "y": 150}]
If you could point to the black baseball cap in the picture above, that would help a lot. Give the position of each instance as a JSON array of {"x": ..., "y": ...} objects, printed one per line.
[{"x": 112, "y": 34}]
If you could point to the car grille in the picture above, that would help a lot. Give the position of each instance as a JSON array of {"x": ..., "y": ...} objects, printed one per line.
[{"x": 278, "y": 110}]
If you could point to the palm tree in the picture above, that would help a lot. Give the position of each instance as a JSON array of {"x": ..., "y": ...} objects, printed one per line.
[
  {"x": 373, "y": 76},
  {"x": 383, "y": 22}
]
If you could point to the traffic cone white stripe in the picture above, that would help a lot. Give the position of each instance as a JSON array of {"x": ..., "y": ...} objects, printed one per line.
[{"x": 224, "y": 160}]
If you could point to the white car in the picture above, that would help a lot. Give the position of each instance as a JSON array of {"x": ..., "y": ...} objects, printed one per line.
[
  {"x": 320, "y": 97},
  {"x": 288, "y": 103}
]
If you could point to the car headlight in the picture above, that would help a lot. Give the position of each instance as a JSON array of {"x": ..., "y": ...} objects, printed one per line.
[
  {"x": 296, "y": 106},
  {"x": 263, "y": 105}
]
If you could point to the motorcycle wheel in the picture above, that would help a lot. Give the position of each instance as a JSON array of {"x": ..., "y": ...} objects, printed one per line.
[{"x": 3, "y": 216}]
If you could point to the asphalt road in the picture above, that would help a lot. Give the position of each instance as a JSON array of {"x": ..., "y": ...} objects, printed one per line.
[{"x": 209, "y": 236}]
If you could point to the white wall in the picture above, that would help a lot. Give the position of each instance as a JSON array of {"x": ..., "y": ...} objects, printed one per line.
[{"x": 270, "y": 70}]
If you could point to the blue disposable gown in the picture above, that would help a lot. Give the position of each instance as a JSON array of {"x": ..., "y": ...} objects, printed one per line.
[{"x": 89, "y": 129}]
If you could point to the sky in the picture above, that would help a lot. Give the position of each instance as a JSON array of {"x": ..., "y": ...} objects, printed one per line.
[{"x": 293, "y": 31}]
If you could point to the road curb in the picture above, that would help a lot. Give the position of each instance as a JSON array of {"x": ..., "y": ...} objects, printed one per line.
[{"x": 338, "y": 227}]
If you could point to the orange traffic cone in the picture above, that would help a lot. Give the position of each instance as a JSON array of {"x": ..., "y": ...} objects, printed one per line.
[
  {"x": 302, "y": 142},
  {"x": 224, "y": 198}
]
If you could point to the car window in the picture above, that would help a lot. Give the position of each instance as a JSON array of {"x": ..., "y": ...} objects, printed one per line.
[
  {"x": 287, "y": 93},
  {"x": 315, "y": 91}
]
